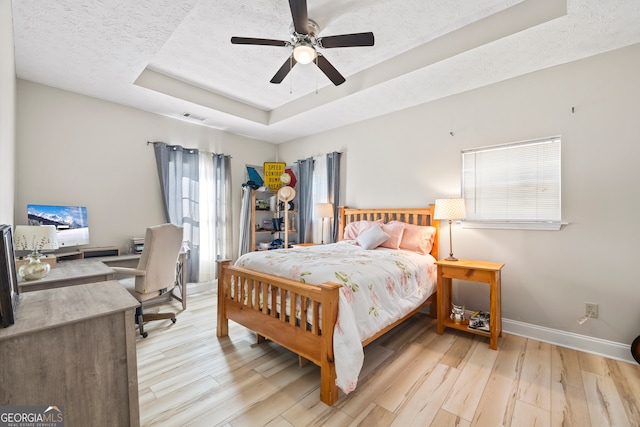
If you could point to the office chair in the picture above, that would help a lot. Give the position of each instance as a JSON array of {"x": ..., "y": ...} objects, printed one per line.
[{"x": 155, "y": 277}]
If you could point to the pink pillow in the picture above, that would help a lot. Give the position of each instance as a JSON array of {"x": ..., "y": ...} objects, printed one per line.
[
  {"x": 395, "y": 231},
  {"x": 417, "y": 238},
  {"x": 353, "y": 229}
]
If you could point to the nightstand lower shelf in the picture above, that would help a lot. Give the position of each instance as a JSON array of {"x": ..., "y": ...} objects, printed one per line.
[{"x": 465, "y": 327}]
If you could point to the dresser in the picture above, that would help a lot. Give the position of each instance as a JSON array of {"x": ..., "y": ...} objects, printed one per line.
[{"x": 74, "y": 347}]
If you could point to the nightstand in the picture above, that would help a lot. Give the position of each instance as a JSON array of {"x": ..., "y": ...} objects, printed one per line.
[
  {"x": 475, "y": 271},
  {"x": 301, "y": 245}
]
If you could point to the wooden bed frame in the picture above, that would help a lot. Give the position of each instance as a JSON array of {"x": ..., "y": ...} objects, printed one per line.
[{"x": 313, "y": 341}]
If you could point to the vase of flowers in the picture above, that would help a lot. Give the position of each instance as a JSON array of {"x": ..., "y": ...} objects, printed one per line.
[
  {"x": 35, "y": 239},
  {"x": 34, "y": 269}
]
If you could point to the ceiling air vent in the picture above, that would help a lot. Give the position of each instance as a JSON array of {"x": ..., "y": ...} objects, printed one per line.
[{"x": 193, "y": 117}]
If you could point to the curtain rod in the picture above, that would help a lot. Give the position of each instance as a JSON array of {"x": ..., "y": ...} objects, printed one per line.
[
  {"x": 311, "y": 157},
  {"x": 188, "y": 149}
]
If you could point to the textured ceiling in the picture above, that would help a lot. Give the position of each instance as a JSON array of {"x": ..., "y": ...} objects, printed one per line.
[{"x": 174, "y": 56}]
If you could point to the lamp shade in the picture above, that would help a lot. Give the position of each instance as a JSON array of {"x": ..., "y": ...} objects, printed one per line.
[
  {"x": 323, "y": 210},
  {"x": 35, "y": 237},
  {"x": 450, "y": 209}
]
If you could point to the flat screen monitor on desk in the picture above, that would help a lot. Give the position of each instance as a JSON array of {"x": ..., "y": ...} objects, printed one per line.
[{"x": 71, "y": 222}]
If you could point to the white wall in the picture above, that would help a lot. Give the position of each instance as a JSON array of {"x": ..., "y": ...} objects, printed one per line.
[
  {"x": 7, "y": 113},
  {"x": 77, "y": 150},
  {"x": 409, "y": 159}
]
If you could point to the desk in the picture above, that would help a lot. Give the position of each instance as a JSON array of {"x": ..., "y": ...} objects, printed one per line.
[
  {"x": 91, "y": 270},
  {"x": 69, "y": 273},
  {"x": 74, "y": 347}
]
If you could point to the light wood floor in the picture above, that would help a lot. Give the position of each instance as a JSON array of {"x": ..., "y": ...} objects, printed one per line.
[{"x": 411, "y": 377}]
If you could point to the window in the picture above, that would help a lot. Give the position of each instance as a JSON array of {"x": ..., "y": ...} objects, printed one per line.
[
  {"x": 513, "y": 186},
  {"x": 320, "y": 194}
]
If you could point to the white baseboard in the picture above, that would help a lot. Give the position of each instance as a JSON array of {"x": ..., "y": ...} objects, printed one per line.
[{"x": 613, "y": 350}]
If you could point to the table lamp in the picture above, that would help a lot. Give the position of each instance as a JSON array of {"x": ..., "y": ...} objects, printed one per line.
[
  {"x": 35, "y": 238},
  {"x": 450, "y": 209},
  {"x": 323, "y": 210}
]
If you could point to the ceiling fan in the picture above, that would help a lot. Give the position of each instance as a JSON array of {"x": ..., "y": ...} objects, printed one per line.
[{"x": 305, "y": 42}]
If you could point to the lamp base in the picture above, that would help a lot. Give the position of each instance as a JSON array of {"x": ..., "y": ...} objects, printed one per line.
[{"x": 451, "y": 258}]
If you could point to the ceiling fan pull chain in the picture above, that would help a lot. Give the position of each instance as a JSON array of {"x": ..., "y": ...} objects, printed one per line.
[{"x": 316, "y": 59}]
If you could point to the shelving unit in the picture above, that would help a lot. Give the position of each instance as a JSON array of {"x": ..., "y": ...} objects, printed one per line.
[{"x": 259, "y": 233}]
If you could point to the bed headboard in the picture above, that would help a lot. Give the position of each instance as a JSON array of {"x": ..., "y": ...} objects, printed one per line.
[{"x": 417, "y": 216}]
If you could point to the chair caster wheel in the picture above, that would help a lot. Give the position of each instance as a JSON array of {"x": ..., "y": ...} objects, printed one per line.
[
  {"x": 144, "y": 334},
  {"x": 173, "y": 320}
]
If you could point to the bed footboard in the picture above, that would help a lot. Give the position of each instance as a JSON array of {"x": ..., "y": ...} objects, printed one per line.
[{"x": 284, "y": 311}]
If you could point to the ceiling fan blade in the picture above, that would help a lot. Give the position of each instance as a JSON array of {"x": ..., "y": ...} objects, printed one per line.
[
  {"x": 300, "y": 16},
  {"x": 284, "y": 70},
  {"x": 347, "y": 40},
  {"x": 262, "y": 42},
  {"x": 329, "y": 70}
]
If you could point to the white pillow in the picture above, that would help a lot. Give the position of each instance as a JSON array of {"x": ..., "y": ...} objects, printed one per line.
[{"x": 372, "y": 237}]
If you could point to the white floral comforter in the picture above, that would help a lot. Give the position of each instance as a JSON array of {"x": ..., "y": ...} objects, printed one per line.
[{"x": 379, "y": 287}]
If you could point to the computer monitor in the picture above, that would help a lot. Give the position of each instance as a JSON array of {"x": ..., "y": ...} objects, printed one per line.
[{"x": 71, "y": 222}]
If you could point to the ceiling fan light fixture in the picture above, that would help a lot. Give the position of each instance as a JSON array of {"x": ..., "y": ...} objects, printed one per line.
[{"x": 304, "y": 53}]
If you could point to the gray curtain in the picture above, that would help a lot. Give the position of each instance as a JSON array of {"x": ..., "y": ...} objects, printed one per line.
[
  {"x": 245, "y": 222},
  {"x": 333, "y": 178},
  {"x": 305, "y": 203},
  {"x": 178, "y": 173}
]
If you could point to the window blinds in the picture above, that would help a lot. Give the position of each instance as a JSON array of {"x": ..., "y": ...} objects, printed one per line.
[{"x": 514, "y": 183}]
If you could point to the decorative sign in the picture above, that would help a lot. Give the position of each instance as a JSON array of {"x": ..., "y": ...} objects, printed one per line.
[{"x": 272, "y": 172}]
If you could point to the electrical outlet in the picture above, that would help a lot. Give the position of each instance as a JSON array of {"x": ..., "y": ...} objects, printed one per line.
[{"x": 591, "y": 310}]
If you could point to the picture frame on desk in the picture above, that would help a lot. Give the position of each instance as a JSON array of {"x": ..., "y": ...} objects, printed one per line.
[{"x": 9, "y": 293}]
